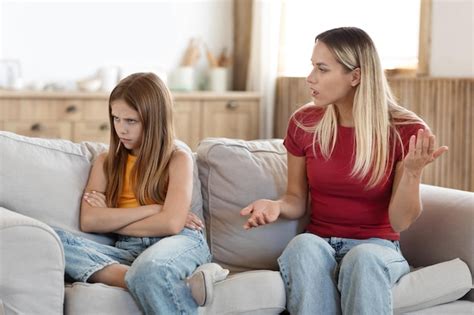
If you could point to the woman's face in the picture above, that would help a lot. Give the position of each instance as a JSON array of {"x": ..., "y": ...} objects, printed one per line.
[
  {"x": 128, "y": 125},
  {"x": 329, "y": 81}
]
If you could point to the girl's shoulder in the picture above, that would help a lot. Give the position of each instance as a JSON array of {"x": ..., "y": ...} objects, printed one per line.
[{"x": 100, "y": 159}]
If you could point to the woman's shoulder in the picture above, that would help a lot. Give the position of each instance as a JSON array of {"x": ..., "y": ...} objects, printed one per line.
[
  {"x": 409, "y": 127},
  {"x": 308, "y": 114}
]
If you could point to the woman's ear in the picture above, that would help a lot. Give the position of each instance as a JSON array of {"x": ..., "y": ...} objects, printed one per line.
[{"x": 355, "y": 80}]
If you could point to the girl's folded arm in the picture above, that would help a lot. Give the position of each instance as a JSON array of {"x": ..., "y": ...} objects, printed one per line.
[{"x": 172, "y": 217}]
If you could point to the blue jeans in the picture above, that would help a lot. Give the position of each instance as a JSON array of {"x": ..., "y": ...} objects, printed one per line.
[
  {"x": 330, "y": 275},
  {"x": 159, "y": 266}
]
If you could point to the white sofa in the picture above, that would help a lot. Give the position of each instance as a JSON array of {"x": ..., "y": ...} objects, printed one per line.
[{"x": 41, "y": 183}]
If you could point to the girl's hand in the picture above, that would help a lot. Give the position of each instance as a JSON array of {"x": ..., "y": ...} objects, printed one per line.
[
  {"x": 261, "y": 212},
  {"x": 422, "y": 151},
  {"x": 95, "y": 199},
  {"x": 193, "y": 222}
]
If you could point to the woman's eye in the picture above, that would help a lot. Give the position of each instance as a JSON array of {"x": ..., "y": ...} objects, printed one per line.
[
  {"x": 322, "y": 70},
  {"x": 115, "y": 118}
]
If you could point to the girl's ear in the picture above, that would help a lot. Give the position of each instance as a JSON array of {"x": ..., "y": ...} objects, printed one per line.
[{"x": 355, "y": 80}]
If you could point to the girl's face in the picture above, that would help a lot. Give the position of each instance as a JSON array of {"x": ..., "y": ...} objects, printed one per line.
[
  {"x": 329, "y": 81},
  {"x": 128, "y": 125}
]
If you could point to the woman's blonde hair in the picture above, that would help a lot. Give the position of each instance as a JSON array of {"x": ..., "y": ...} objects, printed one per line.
[
  {"x": 149, "y": 96},
  {"x": 375, "y": 110}
]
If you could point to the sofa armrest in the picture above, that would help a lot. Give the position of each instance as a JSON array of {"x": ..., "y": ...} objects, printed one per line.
[
  {"x": 31, "y": 266},
  {"x": 445, "y": 229}
]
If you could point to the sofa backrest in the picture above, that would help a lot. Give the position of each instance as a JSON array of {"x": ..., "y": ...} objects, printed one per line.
[
  {"x": 45, "y": 179},
  {"x": 233, "y": 174}
]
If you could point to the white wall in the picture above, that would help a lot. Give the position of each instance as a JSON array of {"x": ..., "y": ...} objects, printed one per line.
[
  {"x": 70, "y": 40},
  {"x": 452, "y": 38}
]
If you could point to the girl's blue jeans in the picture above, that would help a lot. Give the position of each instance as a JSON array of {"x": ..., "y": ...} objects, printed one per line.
[
  {"x": 159, "y": 266},
  {"x": 330, "y": 275}
]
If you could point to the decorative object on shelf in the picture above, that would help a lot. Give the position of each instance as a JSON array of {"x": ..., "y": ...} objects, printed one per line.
[
  {"x": 218, "y": 79},
  {"x": 10, "y": 74},
  {"x": 183, "y": 77}
]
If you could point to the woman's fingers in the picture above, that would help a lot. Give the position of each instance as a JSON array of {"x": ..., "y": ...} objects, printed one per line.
[{"x": 411, "y": 146}]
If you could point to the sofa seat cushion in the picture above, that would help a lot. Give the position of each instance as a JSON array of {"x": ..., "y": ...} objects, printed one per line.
[
  {"x": 453, "y": 308},
  {"x": 95, "y": 298},
  {"x": 254, "y": 292}
]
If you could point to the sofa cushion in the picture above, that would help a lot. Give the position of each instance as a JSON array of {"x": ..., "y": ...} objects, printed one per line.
[
  {"x": 45, "y": 178},
  {"x": 233, "y": 174},
  {"x": 430, "y": 286},
  {"x": 98, "y": 298}
]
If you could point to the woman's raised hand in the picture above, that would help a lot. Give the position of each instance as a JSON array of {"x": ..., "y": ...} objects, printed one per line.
[
  {"x": 261, "y": 212},
  {"x": 95, "y": 199},
  {"x": 422, "y": 151}
]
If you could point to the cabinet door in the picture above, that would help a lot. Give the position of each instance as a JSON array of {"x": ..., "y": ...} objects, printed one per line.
[
  {"x": 96, "y": 131},
  {"x": 231, "y": 119},
  {"x": 51, "y": 109},
  {"x": 96, "y": 109},
  {"x": 187, "y": 122},
  {"x": 40, "y": 129},
  {"x": 9, "y": 109}
]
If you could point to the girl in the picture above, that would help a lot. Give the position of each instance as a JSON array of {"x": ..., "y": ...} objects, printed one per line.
[
  {"x": 361, "y": 156},
  {"x": 141, "y": 190}
]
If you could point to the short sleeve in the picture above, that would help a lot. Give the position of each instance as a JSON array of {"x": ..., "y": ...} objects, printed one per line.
[
  {"x": 406, "y": 131},
  {"x": 291, "y": 141}
]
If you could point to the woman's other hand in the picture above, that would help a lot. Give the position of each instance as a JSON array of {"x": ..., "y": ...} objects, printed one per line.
[
  {"x": 261, "y": 212},
  {"x": 193, "y": 222},
  {"x": 422, "y": 151}
]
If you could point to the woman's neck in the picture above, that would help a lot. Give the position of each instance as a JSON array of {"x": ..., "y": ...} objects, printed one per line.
[
  {"x": 344, "y": 115},
  {"x": 344, "y": 110}
]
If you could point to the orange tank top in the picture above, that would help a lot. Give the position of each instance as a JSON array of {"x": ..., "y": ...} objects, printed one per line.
[{"x": 127, "y": 198}]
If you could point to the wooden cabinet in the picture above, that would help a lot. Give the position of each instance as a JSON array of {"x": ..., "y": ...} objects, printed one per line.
[{"x": 84, "y": 116}]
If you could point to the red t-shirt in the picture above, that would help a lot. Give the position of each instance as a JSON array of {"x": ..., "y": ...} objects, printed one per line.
[{"x": 341, "y": 205}]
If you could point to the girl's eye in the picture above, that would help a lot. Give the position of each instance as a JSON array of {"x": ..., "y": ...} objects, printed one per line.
[{"x": 131, "y": 121}]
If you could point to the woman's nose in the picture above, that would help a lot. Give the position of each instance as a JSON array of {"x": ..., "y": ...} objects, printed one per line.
[{"x": 311, "y": 78}]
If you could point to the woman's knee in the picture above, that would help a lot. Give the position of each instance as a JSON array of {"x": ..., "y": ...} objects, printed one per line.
[{"x": 306, "y": 248}]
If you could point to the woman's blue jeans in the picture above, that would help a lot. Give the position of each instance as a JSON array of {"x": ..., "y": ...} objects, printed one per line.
[
  {"x": 330, "y": 275},
  {"x": 159, "y": 266}
]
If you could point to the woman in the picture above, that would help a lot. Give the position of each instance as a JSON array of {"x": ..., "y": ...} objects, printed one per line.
[{"x": 361, "y": 155}]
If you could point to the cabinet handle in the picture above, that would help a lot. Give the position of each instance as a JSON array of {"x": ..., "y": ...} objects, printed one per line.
[
  {"x": 36, "y": 127},
  {"x": 232, "y": 105},
  {"x": 104, "y": 127},
  {"x": 71, "y": 109}
]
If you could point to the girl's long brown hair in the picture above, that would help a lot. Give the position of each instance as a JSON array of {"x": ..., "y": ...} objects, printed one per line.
[{"x": 149, "y": 96}]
